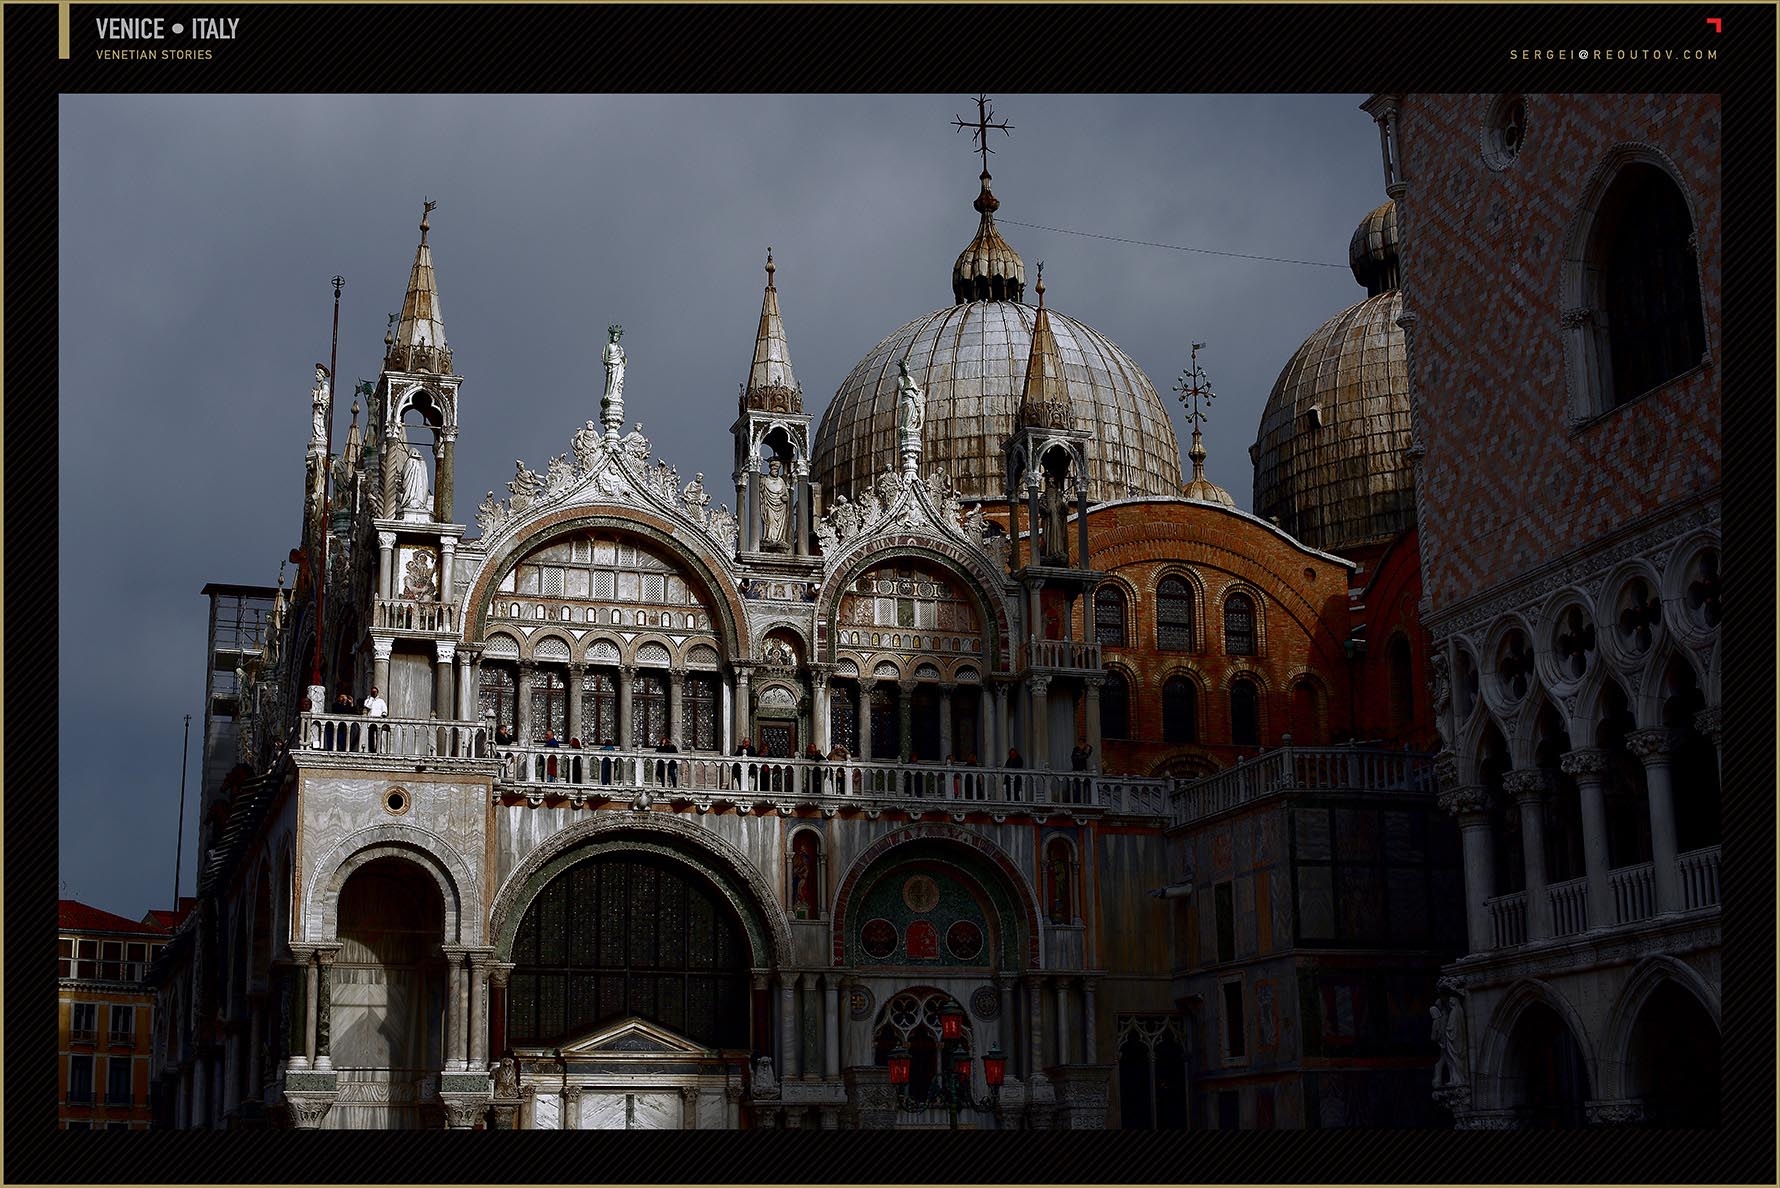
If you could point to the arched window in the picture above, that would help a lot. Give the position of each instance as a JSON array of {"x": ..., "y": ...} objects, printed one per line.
[
  {"x": 1651, "y": 287},
  {"x": 1109, "y": 616},
  {"x": 629, "y": 935},
  {"x": 1239, "y": 625},
  {"x": 550, "y": 707},
  {"x": 1115, "y": 707},
  {"x": 648, "y": 710},
  {"x": 1174, "y": 616},
  {"x": 1180, "y": 711},
  {"x": 495, "y": 699},
  {"x": 599, "y": 707},
  {"x": 1245, "y": 713},
  {"x": 700, "y": 707},
  {"x": 1402, "y": 683},
  {"x": 843, "y": 717},
  {"x": 1059, "y": 886}
]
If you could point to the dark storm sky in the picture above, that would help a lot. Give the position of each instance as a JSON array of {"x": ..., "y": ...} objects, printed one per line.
[{"x": 198, "y": 235}]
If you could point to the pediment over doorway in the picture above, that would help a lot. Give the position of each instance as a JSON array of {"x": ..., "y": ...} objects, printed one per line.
[{"x": 634, "y": 1038}]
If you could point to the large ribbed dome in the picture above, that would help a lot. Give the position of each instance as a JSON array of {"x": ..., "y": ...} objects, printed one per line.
[{"x": 970, "y": 361}]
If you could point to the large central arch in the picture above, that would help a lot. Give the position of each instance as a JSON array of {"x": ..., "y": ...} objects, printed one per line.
[{"x": 727, "y": 869}]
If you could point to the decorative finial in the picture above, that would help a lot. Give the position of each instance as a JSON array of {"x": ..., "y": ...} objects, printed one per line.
[
  {"x": 389, "y": 333},
  {"x": 1041, "y": 284},
  {"x": 1193, "y": 386},
  {"x": 424, "y": 225},
  {"x": 986, "y": 202},
  {"x": 769, "y": 267}
]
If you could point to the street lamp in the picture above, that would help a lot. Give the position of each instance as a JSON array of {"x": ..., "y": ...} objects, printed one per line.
[{"x": 951, "y": 1087}]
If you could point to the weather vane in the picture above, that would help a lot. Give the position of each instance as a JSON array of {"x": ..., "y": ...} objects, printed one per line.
[
  {"x": 980, "y": 129},
  {"x": 1193, "y": 386}
]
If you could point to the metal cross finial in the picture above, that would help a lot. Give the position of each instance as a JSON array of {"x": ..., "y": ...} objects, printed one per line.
[
  {"x": 1194, "y": 386},
  {"x": 980, "y": 129}
]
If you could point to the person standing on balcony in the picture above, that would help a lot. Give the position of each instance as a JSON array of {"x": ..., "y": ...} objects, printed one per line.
[
  {"x": 667, "y": 769},
  {"x": 375, "y": 706}
]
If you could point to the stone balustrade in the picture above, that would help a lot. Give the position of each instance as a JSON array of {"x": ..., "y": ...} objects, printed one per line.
[
  {"x": 550, "y": 771},
  {"x": 1287, "y": 769},
  {"x": 392, "y": 738},
  {"x": 1569, "y": 906},
  {"x": 1069, "y": 655},
  {"x": 1634, "y": 892},
  {"x": 1508, "y": 919},
  {"x": 1699, "y": 878},
  {"x": 421, "y": 618}
]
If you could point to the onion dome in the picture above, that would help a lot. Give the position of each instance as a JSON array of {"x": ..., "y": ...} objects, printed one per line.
[
  {"x": 1372, "y": 253},
  {"x": 1331, "y": 464},
  {"x": 418, "y": 341},
  {"x": 971, "y": 361},
  {"x": 988, "y": 269},
  {"x": 771, "y": 386}
]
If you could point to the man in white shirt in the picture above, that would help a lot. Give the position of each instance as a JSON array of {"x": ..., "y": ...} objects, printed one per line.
[{"x": 375, "y": 706}]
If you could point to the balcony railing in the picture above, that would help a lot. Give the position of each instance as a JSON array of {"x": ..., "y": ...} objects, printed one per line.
[
  {"x": 393, "y": 738},
  {"x": 1508, "y": 919},
  {"x": 1288, "y": 769},
  {"x": 1066, "y": 654},
  {"x": 1634, "y": 893},
  {"x": 119, "y": 1036},
  {"x": 83, "y": 1035},
  {"x": 1699, "y": 878},
  {"x": 400, "y": 614},
  {"x": 1569, "y": 906},
  {"x": 566, "y": 771}
]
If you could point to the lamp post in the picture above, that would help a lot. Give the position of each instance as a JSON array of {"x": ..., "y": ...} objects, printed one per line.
[{"x": 951, "y": 1086}]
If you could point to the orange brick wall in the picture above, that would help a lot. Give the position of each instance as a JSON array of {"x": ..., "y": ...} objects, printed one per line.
[{"x": 1507, "y": 485}]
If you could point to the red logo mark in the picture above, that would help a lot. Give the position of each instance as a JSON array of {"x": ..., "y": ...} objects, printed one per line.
[{"x": 1717, "y": 24}]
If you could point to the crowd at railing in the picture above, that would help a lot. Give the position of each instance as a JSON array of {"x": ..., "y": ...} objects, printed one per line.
[{"x": 399, "y": 738}]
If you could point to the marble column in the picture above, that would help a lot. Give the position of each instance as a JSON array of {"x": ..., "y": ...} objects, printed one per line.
[
  {"x": 1060, "y": 987},
  {"x": 454, "y": 1009},
  {"x": 1090, "y": 1049},
  {"x": 1093, "y": 686},
  {"x": 1038, "y": 726},
  {"x": 386, "y": 547},
  {"x": 752, "y": 524},
  {"x": 381, "y": 647},
  {"x": 1654, "y": 748},
  {"x": 866, "y": 688},
  {"x": 478, "y": 974},
  {"x": 522, "y": 701},
  {"x": 688, "y": 1107},
  {"x": 1588, "y": 766},
  {"x": 1081, "y": 530},
  {"x": 741, "y": 511},
  {"x": 744, "y": 705},
  {"x": 1528, "y": 787},
  {"x": 996, "y": 745},
  {"x": 576, "y": 727},
  {"x": 905, "y": 694},
  {"x": 627, "y": 673},
  {"x": 1710, "y": 722},
  {"x": 1036, "y": 1033},
  {"x": 444, "y": 474},
  {"x": 676, "y": 699},
  {"x": 445, "y": 651},
  {"x": 447, "y": 563},
  {"x": 821, "y": 716},
  {"x": 466, "y": 687},
  {"x": 945, "y": 721},
  {"x": 831, "y": 1029},
  {"x": 324, "y": 1003},
  {"x": 790, "y": 1036},
  {"x": 310, "y": 999},
  {"x": 499, "y": 972},
  {"x": 1469, "y": 803},
  {"x": 800, "y": 484}
]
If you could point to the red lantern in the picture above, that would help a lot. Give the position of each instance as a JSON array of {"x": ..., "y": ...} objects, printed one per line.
[
  {"x": 961, "y": 1068},
  {"x": 899, "y": 1066},
  {"x": 994, "y": 1066},
  {"x": 951, "y": 1022}
]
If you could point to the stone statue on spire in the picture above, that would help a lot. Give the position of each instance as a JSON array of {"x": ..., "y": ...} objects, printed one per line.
[
  {"x": 612, "y": 403},
  {"x": 911, "y": 410},
  {"x": 320, "y": 397}
]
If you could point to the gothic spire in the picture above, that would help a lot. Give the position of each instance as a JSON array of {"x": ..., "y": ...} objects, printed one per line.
[
  {"x": 1045, "y": 398},
  {"x": 771, "y": 385},
  {"x": 418, "y": 341}
]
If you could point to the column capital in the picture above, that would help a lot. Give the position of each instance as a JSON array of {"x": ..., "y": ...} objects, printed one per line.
[
  {"x": 743, "y": 669},
  {"x": 382, "y": 646},
  {"x": 1653, "y": 746},
  {"x": 499, "y": 972},
  {"x": 1094, "y": 682},
  {"x": 1709, "y": 722},
  {"x": 386, "y": 540},
  {"x": 445, "y": 649},
  {"x": 455, "y": 954},
  {"x": 1584, "y": 761},
  {"x": 1446, "y": 770},
  {"x": 908, "y": 685},
  {"x": 627, "y": 672},
  {"x": 527, "y": 664},
  {"x": 1465, "y": 801},
  {"x": 326, "y": 955},
  {"x": 947, "y": 688},
  {"x": 1526, "y": 784},
  {"x": 1039, "y": 685},
  {"x": 676, "y": 677}
]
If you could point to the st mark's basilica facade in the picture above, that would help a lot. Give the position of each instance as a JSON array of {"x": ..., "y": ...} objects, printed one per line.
[{"x": 673, "y": 816}]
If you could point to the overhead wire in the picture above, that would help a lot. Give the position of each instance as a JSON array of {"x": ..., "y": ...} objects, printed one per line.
[{"x": 1174, "y": 247}]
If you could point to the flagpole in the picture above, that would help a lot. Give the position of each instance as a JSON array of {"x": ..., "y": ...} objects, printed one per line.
[
  {"x": 185, "y": 750},
  {"x": 319, "y": 577}
]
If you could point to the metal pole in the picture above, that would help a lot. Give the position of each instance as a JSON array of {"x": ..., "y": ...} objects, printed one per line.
[
  {"x": 185, "y": 750},
  {"x": 319, "y": 577}
]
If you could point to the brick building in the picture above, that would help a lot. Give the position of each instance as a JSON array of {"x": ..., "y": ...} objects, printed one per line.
[{"x": 1561, "y": 274}]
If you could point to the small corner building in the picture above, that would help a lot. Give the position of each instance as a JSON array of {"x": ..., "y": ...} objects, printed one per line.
[{"x": 689, "y": 818}]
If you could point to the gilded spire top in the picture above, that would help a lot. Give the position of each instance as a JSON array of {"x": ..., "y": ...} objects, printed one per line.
[{"x": 988, "y": 269}]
